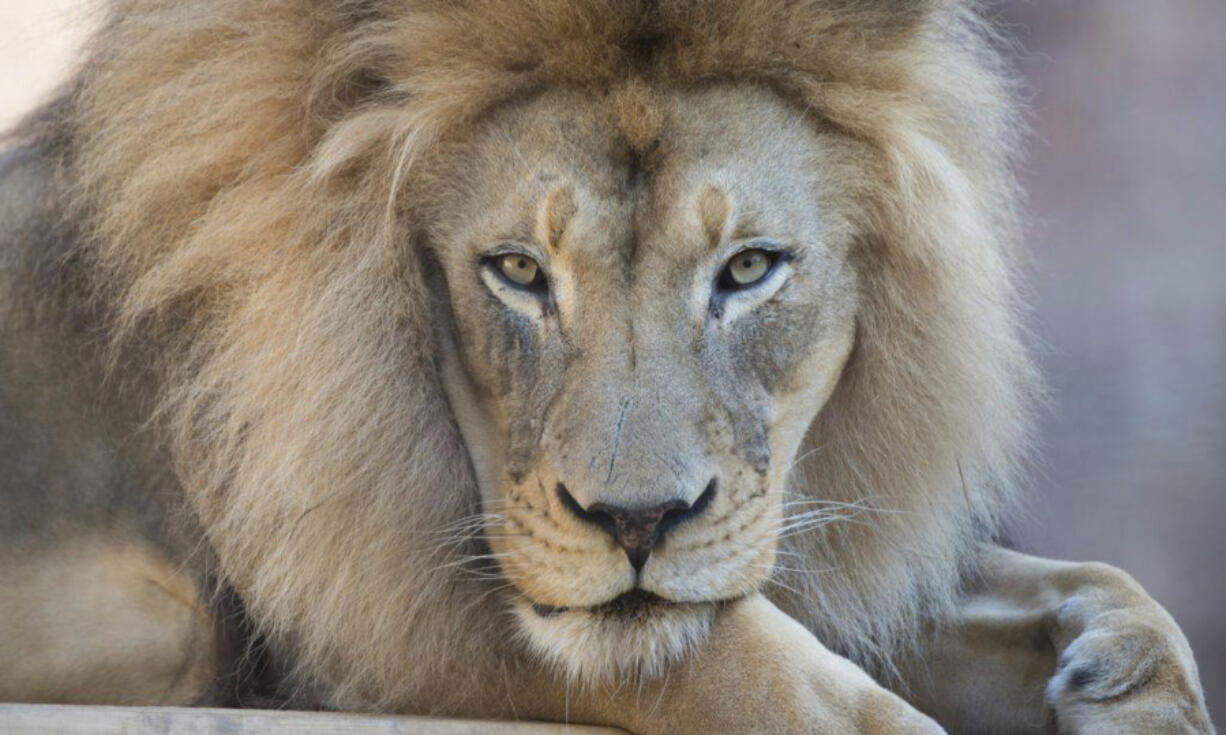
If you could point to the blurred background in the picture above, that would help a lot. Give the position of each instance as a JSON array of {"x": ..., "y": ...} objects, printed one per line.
[
  {"x": 1127, "y": 179},
  {"x": 1127, "y": 175}
]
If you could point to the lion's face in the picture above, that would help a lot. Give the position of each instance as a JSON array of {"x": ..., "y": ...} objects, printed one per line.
[{"x": 650, "y": 300}]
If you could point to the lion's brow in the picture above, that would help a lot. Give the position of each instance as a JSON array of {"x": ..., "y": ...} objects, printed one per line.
[
  {"x": 556, "y": 213},
  {"x": 713, "y": 211}
]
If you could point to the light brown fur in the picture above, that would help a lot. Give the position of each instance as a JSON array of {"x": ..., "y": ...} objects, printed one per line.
[
  {"x": 258, "y": 193},
  {"x": 99, "y": 621}
]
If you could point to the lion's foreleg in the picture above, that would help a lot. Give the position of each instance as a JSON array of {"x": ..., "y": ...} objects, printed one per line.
[
  {"x": 103, "y": 621},
  {"x": 1038, "y": 645},
  {"x": 760, "y": 671}
]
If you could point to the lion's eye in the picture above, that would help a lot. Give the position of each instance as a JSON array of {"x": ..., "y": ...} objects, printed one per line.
[
  {"x": 747, "y": 268},
  {"x": 520, "y": 270}
]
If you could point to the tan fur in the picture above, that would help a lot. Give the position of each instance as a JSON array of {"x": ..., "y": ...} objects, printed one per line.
[
  {"x": 252, "y": 180},
  {"x": 103, "y": 621}
]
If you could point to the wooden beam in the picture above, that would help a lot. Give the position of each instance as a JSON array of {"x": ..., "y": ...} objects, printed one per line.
[{"x": 19, "y": 719}]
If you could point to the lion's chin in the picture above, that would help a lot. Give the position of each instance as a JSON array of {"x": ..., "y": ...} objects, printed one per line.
[{"x": 634, "y": 635}]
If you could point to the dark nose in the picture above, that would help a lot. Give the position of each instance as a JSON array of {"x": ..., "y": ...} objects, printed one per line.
[{"x": 637, "y": 530}]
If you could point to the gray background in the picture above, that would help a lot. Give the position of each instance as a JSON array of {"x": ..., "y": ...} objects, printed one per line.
[{"x": 1127, "y": 174}]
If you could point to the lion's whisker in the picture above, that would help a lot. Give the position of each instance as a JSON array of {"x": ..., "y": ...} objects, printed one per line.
[{"x": 810, "y": 524}]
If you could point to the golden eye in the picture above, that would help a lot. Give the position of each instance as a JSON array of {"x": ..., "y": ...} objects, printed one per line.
[
  {"x": 519, "y": 269},
  {"x": 748, "y": 267}
]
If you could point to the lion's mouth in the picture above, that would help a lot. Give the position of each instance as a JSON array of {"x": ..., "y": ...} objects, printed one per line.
[{"x": 631, "y": 605}]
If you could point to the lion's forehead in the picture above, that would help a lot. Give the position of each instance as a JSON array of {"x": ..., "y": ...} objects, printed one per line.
[
  {"x": 630, "y": 200},
  {"x": 568, "y": 165}
]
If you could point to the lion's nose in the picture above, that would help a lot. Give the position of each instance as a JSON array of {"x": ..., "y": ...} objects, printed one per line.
[{"x": 637, "y": 530}]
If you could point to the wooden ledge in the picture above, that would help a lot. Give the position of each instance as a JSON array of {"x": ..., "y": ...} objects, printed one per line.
[{"x": 90, "y": 720}]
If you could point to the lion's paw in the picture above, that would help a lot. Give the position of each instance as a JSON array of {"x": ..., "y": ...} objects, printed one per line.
[{"x": 1128, "y": 672}]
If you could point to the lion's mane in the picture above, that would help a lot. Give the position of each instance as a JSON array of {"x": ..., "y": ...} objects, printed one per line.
[{"x": 243, "y": 172}]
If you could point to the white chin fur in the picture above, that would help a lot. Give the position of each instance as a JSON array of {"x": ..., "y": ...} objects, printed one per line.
[{"x": 593, "y": 647}]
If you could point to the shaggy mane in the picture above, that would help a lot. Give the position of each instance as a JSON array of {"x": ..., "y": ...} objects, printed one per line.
[{"x": 244, "y": 170}]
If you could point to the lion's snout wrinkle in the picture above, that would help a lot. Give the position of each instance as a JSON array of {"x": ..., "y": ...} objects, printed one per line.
[{"x": 637, "y": 530}]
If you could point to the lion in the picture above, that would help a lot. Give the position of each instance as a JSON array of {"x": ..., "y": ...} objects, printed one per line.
[{"x": 651, "y": 364}]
